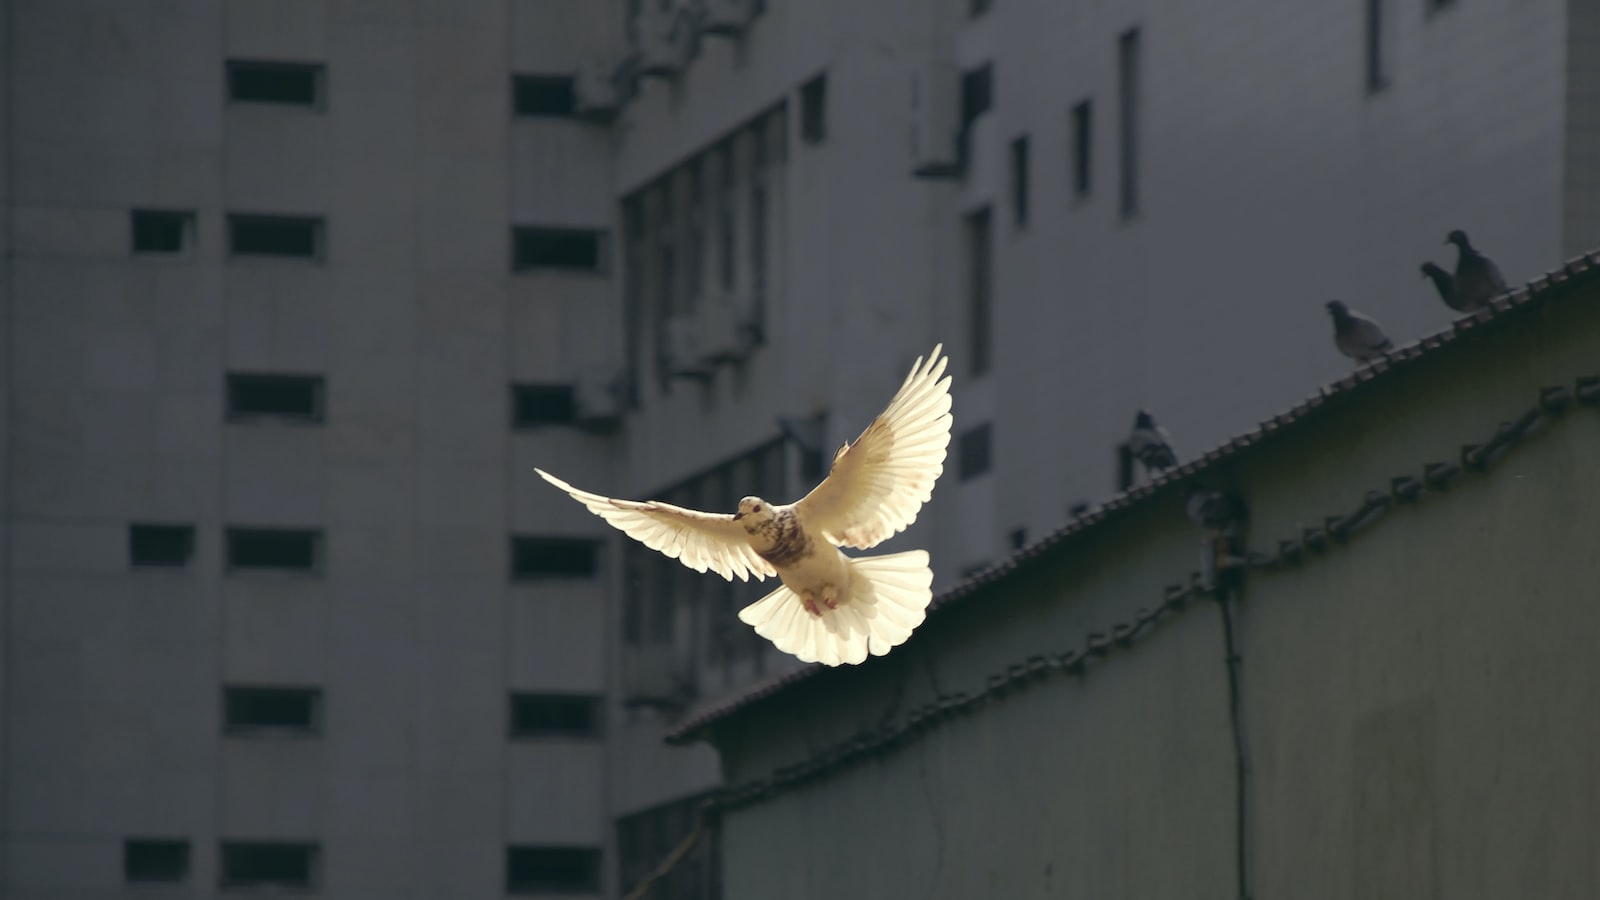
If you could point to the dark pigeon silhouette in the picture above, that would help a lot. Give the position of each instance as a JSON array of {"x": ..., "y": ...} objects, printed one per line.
[
  {"x": 1150, "y": 444},
  {"x": 1356, "y": 335},
  {"x": 1445, "y": 285},
  {"x": 1478, "y": 279}
]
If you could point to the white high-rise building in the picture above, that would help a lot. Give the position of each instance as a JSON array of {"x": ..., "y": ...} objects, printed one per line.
[{"x": 296, "y": 293}]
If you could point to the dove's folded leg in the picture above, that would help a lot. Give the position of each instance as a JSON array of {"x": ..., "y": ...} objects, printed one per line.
[{"x": 888, "y": 598}]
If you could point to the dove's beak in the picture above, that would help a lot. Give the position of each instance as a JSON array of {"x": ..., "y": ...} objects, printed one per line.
[{"x": 737, "y": 516}]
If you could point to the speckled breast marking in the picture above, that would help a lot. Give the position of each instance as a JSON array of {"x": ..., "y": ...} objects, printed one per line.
[{"x": 789, "y": 543}]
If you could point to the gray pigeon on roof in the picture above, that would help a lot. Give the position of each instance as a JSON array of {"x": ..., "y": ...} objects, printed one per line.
[
  {"x": 1150, "y": 444},
  {"x": 1445, "y": 285},
  {"x": 1356, "y": 335},
  {"x": 1478, "y": 279}
]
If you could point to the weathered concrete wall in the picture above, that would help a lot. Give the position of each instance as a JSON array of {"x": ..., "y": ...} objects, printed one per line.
[{"x": 1419, "y": 701}]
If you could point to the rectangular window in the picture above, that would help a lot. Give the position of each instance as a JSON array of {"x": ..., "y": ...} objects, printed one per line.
[
  {"x": 290, "y": 84},
  {"x": 814, "y": 110},
  {"x": 696, "y": 248},
  {"x": 727, "y": 217},
  {"x": 533, "y": 405},
  {"x": 977, "y": 93},
  {"x": 633, "y": 321},
  {"x": 293, "y": 397},
  {"x": 280, "y": 549},
  {"x": 159, "y": 232},
  {"x": 554, "y": 557},
  {"x": 980, "y": 249},
  {"x": 543, "y": 95},
  {"x": 160, "y": 545},
  {"x": 973, "y": 452},
  {"x": 1377, "y": 45},
  {"x": 276, "y": 237},
  {"x": 148, "y": 861},
  {"x": 276, "y": 864},
  {"x": 758, "y": 218},
  {"x": 1019, "y": 181},
  {"x": 272, "y": 710},
  {"x": 569, "y": 249},
  {"x": 1128, "y": 119},
  {"x": 552, "y": 870},
  {"x": 1082, "y": 147},
  {"x": 555, "y": 715}
]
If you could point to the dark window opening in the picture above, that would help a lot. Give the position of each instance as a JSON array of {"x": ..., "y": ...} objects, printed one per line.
[
  {"x": 273, "y": 548},
  {"x": 552, "y": 870},
  {"x": 980, "y": 249},
  {"x": 294, "y": 84},
  {"x": 645, "y": 838},
  {"x": 556, "y": 248},
  {"x": 814, "y": 110},
  {"x": 555, "y": 715},
  {"x": 160, "y": 545},
  {"x": 155, "y": 860},
  {"x": 1019, "y": 181},
  {"x": 1128, "y": 113},
  {"x": 1377, "y": 46},
  {"x": 727, "y": 218},
  {"x": 249, "y": 710},
  {"x": 284, "y": 237},
  {"x": 974, "y": 452},
  {"x": 1082, "y": 147},
  {"x": 543, "y": 404},
  {"x": 543, "y": 95},
  {"x": 268, "y": 864},
  {"x": 280, "y": 396},
  {"x": 562, "y": 557},
  {"x": 977, "y": 93},
  {"x": 161, "y": 231}
]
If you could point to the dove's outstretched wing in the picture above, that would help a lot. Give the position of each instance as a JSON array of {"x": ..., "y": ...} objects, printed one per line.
[
  {"x": 879, "y": 483},
  {"x": 699, "y": 540}
]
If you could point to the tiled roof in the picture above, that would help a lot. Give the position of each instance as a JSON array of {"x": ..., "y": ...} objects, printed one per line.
[{"x": 1577, "y": 271}]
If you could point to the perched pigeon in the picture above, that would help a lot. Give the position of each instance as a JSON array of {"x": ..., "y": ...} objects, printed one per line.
[
  {"x": 832, "y": 608},
  {"x": 1445, "y": 285},
  {"x": 1150, "y": 444},
  {"x": 1478, "y": 279},
  {"x": 1357, "y": 336}
]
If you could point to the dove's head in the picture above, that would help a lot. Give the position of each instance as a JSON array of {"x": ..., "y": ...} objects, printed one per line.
[
  {"x": 753, "y": 512},
  {"x": 1143, "y": 419},
  {"x": 1338, "y": 309},
  {"x": 1457, "y": 237}
]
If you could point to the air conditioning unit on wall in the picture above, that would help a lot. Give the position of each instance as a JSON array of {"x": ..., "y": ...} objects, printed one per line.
[
  {"x": 724, "y": 336},
  {"x": 597, "y": 90},
  {"x": 685, "y": 353},
  {"x": 597, "y": 393},
  {"x": 662, "y": 42},
  {"x": 729, "y": 17}
]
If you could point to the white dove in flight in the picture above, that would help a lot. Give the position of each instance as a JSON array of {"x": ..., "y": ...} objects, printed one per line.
[{"x": 832, "y": 608}]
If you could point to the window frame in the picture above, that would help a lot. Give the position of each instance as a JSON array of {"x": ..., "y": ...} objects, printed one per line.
[
  {"x": 185, "y": 220},
  {"x": 313, "y": 866},
  {"x": 318, "y": 71},
  {"x": 317, "y": 414},
  {"x": 183, "y": 869},
  {"x": 593, "y": 883},
  {"x": 189, "y": 540},
  {"x": 594, "y": 546},
  {"x": 525, "y": 84},
  {"x": 521, "y": 265},
  {"x": 594, "y": 712},
  {"x": 316, "y": 540},
  {"x": 316, "y": 719},
  {"x": 316, "y": 225}
]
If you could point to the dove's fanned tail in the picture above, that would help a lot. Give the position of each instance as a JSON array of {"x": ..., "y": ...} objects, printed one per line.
[{"x": 889, "y": 598}]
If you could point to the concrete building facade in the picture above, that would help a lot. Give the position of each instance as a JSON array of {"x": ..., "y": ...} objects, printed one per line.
[{"x": 297, "y": 293}]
